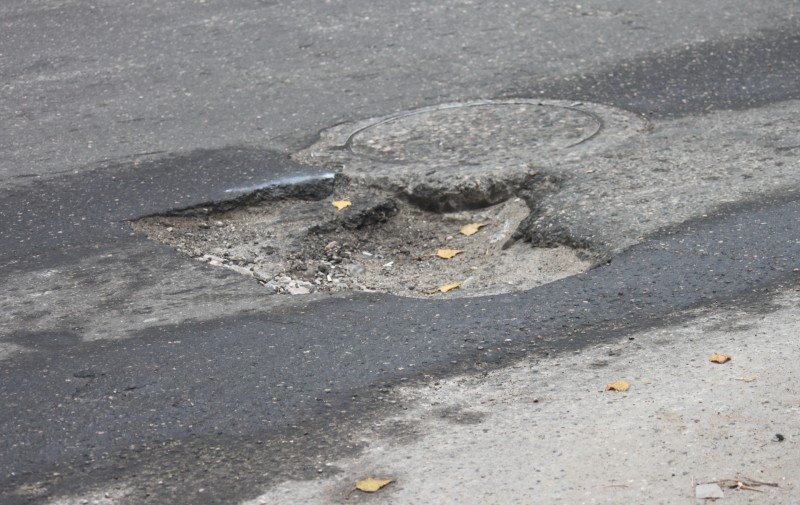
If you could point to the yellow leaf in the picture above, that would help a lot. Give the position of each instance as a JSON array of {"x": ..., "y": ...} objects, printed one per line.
[
  {"x": 341, "y": 204},
  {"x": 747, "y": 378},
  {"x": 449, "y": 287},
  {"x": 719, "y": 358},
  {"x": 448, "y": 253},
  {"x": 471, "y": 229},
  {"x": 371, "y": 484},
  {"x": 618, "y": 386}
]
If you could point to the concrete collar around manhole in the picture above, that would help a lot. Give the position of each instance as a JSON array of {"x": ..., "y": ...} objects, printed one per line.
[{"x": 469, "y": 155}]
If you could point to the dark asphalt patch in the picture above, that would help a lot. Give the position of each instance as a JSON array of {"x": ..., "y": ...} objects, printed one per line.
[
  {"x": 72, "y": 211},
  {"x": 733, "y": 75}
]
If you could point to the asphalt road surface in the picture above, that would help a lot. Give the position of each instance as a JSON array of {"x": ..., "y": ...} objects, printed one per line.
[{"x": 125, "y": 365}]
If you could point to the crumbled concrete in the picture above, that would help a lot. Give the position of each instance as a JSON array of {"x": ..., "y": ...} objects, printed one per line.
[{"x": 298, "y": 247}]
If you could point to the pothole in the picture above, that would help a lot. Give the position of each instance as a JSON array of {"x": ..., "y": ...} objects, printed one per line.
[
  {"x": 413, "y": 180},
  {"x": 379, "y": 243}
]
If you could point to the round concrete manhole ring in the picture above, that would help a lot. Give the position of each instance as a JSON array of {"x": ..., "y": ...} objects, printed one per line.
[
  {"x": 469, "y": 155},
  {"x": 461, "y": 135}
]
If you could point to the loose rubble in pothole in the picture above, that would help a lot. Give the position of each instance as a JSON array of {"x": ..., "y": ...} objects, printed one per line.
[{"x": 301, "y": 244}]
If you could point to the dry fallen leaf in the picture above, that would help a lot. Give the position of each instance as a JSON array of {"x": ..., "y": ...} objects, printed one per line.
[
  {"x": 747, "y": 378},
  {"x": 341, "y": 204},
  {"x": 719, "y": 358},
  {"x": 448, "y": 253},
  {"x": 370, "y": 485},
  {"x": 449, "y": 287},
  {"x": 471, "y": 229},
  {"x": 618, "y": 386}
]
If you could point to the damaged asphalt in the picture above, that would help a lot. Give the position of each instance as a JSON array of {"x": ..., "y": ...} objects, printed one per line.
[
  {"x": 237, "y": 385},
  {"x": 191, "y": 384}
]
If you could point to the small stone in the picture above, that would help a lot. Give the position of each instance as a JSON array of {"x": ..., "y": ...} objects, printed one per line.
[
  {"x": 356, "y": 269},
  {"x": 708, "y": 492},
  {"x": 298, "y": 290}
]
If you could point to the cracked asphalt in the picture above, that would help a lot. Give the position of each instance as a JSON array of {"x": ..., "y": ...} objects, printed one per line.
[{"x": 129, "y": 373}]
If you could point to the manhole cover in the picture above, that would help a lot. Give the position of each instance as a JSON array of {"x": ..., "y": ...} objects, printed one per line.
[
  {"x": 484, "y": 163},
  {"x": 468, "y": 155},
  {"x": 463, "y": 136}
]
